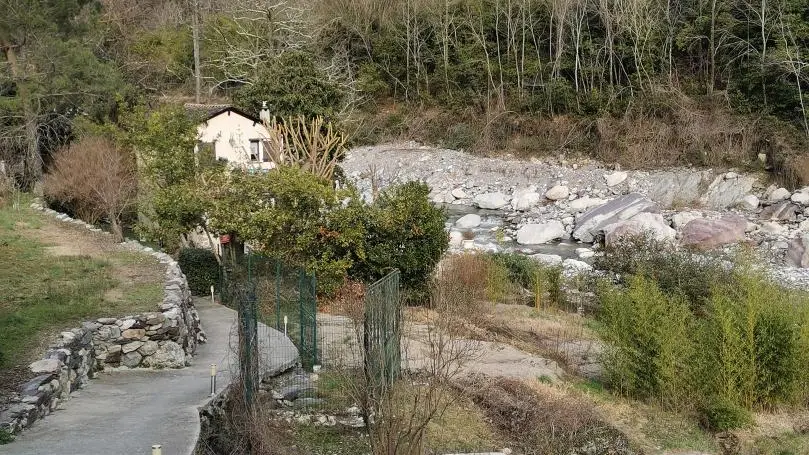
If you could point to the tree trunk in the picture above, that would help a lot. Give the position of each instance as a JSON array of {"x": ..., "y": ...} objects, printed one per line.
[{"x": 195, "y": 32}]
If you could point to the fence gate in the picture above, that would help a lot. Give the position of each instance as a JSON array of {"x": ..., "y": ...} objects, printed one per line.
[{"x": 382, "y": 333}]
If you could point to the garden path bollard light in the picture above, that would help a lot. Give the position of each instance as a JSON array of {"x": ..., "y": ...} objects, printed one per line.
[
  {"x": 285, "y": 326},
  {"x": 157, "y": 449},
  {"x": 213, "y": 379},
  {"x": 213, "y": 300}
]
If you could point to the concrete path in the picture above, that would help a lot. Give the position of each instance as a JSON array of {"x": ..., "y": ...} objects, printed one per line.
[{"x": 125, "y": 412}]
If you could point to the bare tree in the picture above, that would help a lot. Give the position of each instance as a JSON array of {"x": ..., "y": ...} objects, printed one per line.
[{"x": 95, "y": 177}]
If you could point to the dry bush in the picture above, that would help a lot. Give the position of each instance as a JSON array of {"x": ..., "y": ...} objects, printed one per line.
[
  {"x": 7, "y": 185},
  {"x": 96, "y": 178},
  {"x": 537, "y": 422},
  {"x": 668, "y": 128},
  {"x": 471, "y": 281},
  {"x": 313, "y": 145}
]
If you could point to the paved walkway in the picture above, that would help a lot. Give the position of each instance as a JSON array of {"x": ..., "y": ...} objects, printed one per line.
[{"x": 125, "y": 412}]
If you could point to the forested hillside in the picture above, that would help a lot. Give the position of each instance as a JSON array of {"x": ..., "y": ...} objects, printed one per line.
[{"x": 640, "y": 82}]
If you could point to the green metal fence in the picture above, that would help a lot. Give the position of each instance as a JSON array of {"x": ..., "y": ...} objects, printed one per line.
[
  {"x": 281, "y": 297},
  {"x": 382, "y": 333}
]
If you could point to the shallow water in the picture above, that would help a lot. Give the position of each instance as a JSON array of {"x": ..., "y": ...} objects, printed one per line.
[{"x": 489, "y": 236}]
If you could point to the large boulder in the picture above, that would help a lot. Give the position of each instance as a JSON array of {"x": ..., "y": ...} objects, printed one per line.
[
  {"x": 749, "y": 202},
  {"x": 591, "y": 223},
  {"x": 168, "y": 355},
  {"x": 798, "y": 252},
  {"x": 782, "y": 211},
  {"x": 492, "y": 201},
  {"x": 468, "y": 221},
  {"x": 680, "y": 219},
  {"x": 644, "y": 223},
  {"x": 535, "y": 234},
  {"x": 705, "y": 234},
  {"x": 725, "y": 192},
  {"x": 681, "y": 187}
]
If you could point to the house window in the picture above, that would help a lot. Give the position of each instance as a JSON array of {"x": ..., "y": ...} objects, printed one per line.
[{"x": 255, "y": 151}]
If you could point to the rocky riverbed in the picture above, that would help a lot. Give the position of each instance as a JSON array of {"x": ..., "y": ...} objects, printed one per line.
[{"x": 560, "y": 210}]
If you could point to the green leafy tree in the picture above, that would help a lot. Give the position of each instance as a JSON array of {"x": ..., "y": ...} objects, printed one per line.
[
  {"x": 292, "y": 85},
  {"x": 294, "y": 216},
  {"x": 174, "y": 189},
  {"x": 406, "y": 232}
]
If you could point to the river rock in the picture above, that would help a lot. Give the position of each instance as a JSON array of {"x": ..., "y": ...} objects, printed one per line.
[
  {"x": 749, "y": 202},
  {"x": 455, "y": 239},
  {"x": 557, "y": 193},
  {"x": 644, "y": 223},
  {"x": 680, "y": 219},
  {"x": 491, "y": 200},
  {"x": 459, "y": 193},
  {"x": 468, "y": 221},
  {"x": 782, "y": 211},
  {"x": 800, "y": 198},
  {"x": 525, "y": 200},
  {"x": 677, "y": 187},
  {"x": 133, "y": 346},
  {"x": 547, "y": 259},
  {"x": 590, "y": 224},
  {"x": 798, "y": 252},
  {"x": 584, "y": 203},
  {"x": 706, "y": 234},
  {"x": 535, "y": 234},
  {"x": 779, "y": 194},
  {"x": 771, "y": 227},
  {"x": 616, "y": 178},
  {"x": 723, "y": 193}
]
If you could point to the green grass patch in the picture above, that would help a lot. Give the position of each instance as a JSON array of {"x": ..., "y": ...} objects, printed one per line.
[
  {"x": 45, "y": 293},
  {"x": 322, "y": 440}
]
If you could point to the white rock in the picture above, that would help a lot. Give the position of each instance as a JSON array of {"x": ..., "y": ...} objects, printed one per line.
[
  {"x": 804, "y": 226},
  {"x": 468, "y": 221},
  {"x": 643, "y": 223},
  {"x": 771, "y": 227},
  {"x": 455, "y": 239},
  {"x": 535, "y": 234},
  {"x": 800, "y": 198},
  {"x": 573, "y": 266},
  {"x": 558, "y": 192},
  {"x": 45, "y": 366},
  {"x": 491, "y": 200},
  {"x": 458, "y": 193},
  {"x": 780, "y": 194},
  {"x": 616, "y": 178},
  {"x": 547, "y": 259},
  {"x": 525, "y": 201},
  {"x": 749, "y": 202},
  {"x": 584, "y": 253},
  {"x": 731, "y": 175},
  {"x": 584, "y": 203},
  {"x": 682, "y": 218}
]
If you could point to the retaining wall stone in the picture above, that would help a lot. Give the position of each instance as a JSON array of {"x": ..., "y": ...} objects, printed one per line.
[{"x": 165, "y": 338}]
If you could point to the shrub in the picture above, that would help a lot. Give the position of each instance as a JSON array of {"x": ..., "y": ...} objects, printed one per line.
[
  {"x": 405, "y": 232},
  {"x": 95, "y": 178},
  {"x": 200, "y": 268},
  {"x": 6, "y": 437},
  {"x": 533, "y": 276},
  {"x": 675, "y": 271},
  {"x": 721, "y": 415},
  {"x": 649, "y": 341}
]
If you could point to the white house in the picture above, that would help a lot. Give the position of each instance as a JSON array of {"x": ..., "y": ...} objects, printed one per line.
[{"x": 231, "y": 135}]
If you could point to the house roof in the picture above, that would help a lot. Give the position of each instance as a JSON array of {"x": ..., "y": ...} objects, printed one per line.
[{"x": 209, "y": 111}]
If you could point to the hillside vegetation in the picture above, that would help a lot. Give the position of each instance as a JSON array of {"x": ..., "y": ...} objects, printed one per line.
[{"x": 640, "y": 82}]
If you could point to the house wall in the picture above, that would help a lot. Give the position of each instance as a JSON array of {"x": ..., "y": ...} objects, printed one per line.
[{"x": 232, "y": 133}]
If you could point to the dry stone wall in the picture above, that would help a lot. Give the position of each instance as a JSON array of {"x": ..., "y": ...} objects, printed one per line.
[{"x": 165, "y": 338}]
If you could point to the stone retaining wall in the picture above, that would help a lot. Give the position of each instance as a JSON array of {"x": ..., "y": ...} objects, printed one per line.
[{"x": 166, "y": 338}]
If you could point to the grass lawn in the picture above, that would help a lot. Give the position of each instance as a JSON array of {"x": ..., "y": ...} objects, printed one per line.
[{"x": 45, "y": 293}]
